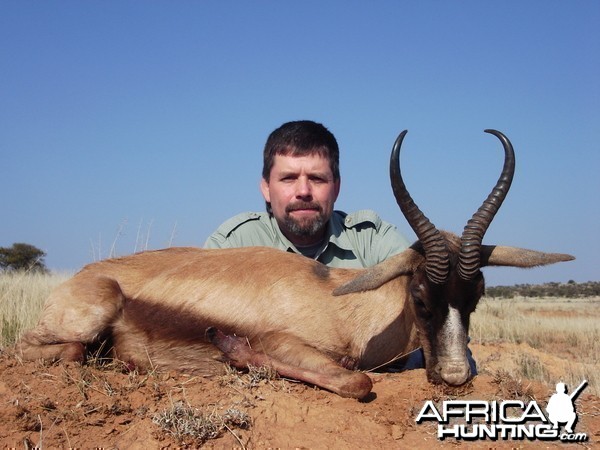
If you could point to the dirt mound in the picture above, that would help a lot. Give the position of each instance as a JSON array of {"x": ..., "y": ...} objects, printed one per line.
[{"x": 91, "y": 406}]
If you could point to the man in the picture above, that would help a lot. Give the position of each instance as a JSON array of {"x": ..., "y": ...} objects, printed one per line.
[{"x": 300, "y": 184}]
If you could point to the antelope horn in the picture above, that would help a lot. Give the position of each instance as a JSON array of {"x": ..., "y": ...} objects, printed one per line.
[
  {"x": 437, "y": 262},
  {"x": 469, "y": 260}
]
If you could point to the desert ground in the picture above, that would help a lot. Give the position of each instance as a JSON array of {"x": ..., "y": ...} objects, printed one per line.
[
  {"x": 98, "y": 405},
  {"x": 522, "y": 347}
]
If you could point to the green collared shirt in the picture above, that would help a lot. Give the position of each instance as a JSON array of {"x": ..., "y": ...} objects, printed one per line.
[{"x": 356, "y": 240}]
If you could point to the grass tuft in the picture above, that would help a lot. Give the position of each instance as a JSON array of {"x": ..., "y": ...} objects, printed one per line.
[{"x": 191, "y": 426}]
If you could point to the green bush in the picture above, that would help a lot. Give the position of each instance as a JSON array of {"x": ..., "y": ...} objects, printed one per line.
[{"x": 22, "y": 257}]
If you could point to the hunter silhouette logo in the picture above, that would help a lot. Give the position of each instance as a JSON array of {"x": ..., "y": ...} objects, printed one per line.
[
  {"x": 508, "y": 419},
  {"x": 561, "y": 408}
]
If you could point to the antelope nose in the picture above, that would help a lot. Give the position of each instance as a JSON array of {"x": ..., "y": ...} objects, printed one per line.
[{"x": 455, "y": 374}]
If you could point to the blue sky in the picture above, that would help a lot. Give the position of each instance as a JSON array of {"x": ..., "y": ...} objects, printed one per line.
[{"x": 127, "y": 125}]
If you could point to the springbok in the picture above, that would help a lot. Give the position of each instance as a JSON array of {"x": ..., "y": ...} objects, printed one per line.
[{"x": 189, "y": 308}]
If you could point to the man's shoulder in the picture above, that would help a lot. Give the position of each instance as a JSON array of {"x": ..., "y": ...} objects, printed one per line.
[
  {"x": 360, "y": 219},
  {"x": 369, "y": 237},
  {"x": 241, "y": 221},
  {"x": 243, "y": 230}
]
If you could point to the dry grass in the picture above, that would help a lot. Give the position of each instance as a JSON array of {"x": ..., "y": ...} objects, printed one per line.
[
  {"x": 193, "y": 427},
  {"x": 553, "y": 337},
  {"x": 22, "y": 297}
]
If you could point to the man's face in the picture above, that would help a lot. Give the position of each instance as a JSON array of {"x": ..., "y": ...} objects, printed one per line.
[{"x": 302, "y": 192}]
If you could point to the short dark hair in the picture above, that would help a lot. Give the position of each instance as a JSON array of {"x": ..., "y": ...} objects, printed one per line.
[{"x": 299, "y": 138}]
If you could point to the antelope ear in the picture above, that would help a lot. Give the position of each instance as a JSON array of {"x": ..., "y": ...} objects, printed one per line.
[
  {"x": 498, "y": 255},
  {"x": 373, "y": 277}
]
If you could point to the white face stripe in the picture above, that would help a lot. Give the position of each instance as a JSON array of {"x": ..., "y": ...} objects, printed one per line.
[{"x": 453, "y": 334}]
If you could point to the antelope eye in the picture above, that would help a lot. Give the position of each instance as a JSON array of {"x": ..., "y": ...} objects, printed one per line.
[{"x": 420, "y": 305}]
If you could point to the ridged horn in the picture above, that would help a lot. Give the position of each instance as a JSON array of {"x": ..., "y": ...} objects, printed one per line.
[
  {"x": 469, "y": 260},
  {"x": 437, "y": 263}
]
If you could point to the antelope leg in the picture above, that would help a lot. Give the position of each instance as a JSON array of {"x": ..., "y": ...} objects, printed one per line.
[{"x": 291, "y": 358}]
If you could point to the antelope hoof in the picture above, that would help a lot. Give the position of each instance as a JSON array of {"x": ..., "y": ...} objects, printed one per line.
[{"x": 358, "y": 387}]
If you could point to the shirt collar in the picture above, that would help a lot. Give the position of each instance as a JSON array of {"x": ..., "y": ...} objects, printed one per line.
[{"x": 336, "y": 231}]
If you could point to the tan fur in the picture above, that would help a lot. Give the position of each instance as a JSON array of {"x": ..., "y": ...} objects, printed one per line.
[{"x": 158, "y": 305}]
